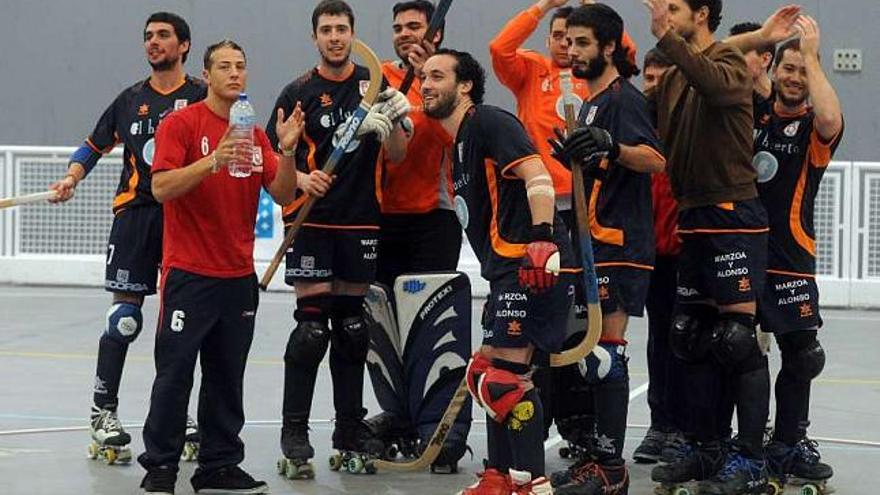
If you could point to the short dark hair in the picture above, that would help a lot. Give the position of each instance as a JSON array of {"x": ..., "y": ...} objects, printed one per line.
[
  {"x": 607, "y": 26},
  {"x": 423, "y": 6},
  {"x": 216, "y": 46},
  {"x": 181, "y": 28},
  {"x": 656, "y": 58},
  {"x": 331, "y": 7},
  {"x": 748, "y": 27},
  {"x": 714, "y": 7},
  {"x": 468, "y": 69},
  {"x": 560, "y": 13},
  {"x": 792, "y": 44}
]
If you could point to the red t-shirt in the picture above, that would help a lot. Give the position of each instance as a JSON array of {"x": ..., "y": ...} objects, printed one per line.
[
  {"x": 665, "y": 216},
  {"x": 210, "y": 229}
]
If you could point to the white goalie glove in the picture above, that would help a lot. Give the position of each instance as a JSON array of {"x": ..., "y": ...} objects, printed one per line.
[
  {"x": 376, "y": 123},
  {"x": 394, "y": 104}
]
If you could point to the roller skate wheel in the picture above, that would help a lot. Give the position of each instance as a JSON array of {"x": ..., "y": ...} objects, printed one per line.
[
  {"x": 810, "y": 489},
  {"x": 681, "y": 491},
  {"x": 123, "y": 456},
  {"x": 190, "y": 452},
  {"x": 355, "y": 465},
  {"x": 391, "y": 452},
  {"x": 291, "y": 470},
  {"x": 93, "y": 451},
  {"x": 335, "y": 462},
  {"x": 110, "y": 456},
  {"x": 370, "y": 468},
  {"x": 775, "y": 487}
]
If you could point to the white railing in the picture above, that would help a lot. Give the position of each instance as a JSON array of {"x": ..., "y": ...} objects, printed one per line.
[{"x": 65, "y": 245}]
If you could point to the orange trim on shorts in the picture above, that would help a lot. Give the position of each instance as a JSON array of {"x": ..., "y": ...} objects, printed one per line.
[
  {"x": 571, "y": 270},
  {"x": 505, "y": 171},
  {"x": 725, "y": 206},
  {"x": 791, "y": 274},
  {"x": 499, "y": 245},
  {"x": 626, "y": 264}
]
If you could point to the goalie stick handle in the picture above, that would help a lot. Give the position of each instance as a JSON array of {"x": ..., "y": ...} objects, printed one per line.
[
  {"x": 373, "y": 64},
  {"x": 27, "y": 199},
  {"x": 433, "y": 26},
  {"x": 594, "y": 310}
]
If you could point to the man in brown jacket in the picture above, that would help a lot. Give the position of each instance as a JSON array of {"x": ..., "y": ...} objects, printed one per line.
[{"x": 704, "y": 116}]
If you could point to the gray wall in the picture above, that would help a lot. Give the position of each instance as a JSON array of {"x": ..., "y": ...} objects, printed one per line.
[{"x": 63, "y": 61}]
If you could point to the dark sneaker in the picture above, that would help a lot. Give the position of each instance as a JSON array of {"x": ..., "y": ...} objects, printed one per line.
[
  {"x": 159, "y": 481},
  {"x": 673, "y": 446},
  {"x": 611, "y": 478},
  {"x": 649, "y": 451},
  {"x": 229, "y": 479},
  {"x": 801, "y": 461}
]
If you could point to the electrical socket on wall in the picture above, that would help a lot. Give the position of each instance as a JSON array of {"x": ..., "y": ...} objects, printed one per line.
[{"x": 848, "y": 60}]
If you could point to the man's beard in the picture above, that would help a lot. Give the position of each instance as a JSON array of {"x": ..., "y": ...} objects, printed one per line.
[
  {"x": 165, "y": 65},
  {"x": 791, "y": 102},
  {"x": 592, "y": 71},
  {"x": 444, "y": 108}
]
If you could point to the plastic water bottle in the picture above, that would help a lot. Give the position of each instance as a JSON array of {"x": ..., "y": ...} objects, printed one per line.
[{"x": 242, "y": 118}]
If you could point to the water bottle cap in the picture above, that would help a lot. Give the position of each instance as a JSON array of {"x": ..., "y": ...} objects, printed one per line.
[{"x": 242, "y": 96}]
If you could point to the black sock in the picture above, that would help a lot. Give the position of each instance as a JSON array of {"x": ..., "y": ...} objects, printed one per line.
[
  {"x": 111, "y": 360},
  {"x": 525, "y": 432}
]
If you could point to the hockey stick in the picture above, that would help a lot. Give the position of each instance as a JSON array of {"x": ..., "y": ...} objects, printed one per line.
[
  {"x": 27, "y": 199},
  {"x": 594, "y": 310},
  {"x": 373, "y": 64},
  {"x": 433, "y": 26}
]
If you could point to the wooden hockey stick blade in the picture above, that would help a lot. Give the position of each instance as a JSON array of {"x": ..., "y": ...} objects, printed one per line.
[
  {"x": 371, "y": 61},
  {"x": 433, "y": 26},
  {"x": 594, "y": 310},
  {"x": 27, "y": 199},
  {"x": 435, "y": 444}
]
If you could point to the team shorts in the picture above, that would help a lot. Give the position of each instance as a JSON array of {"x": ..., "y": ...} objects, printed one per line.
[
  {"x": 134, "y": 251},
  {"x": 623, "y": 288},
  {"x": 321, "y": 255},
  {"x": 514, "y": 318},
  {"x": 723, "y": 253},
  {"x": 788, "y": 303}
]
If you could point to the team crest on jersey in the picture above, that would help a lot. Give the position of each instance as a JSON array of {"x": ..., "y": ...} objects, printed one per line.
[
  {"x": 148, "y": 151},
  {"x": 591, "y": 115},
  {"x": 791, "y": 130},
  {"x": 461, "y": 211},
  {"x": 181, "y": 103},
  {"x": 364, "y": 86}
]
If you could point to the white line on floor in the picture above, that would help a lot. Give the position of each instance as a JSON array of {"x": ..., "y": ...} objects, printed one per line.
[{"x": 556, "y": 439}]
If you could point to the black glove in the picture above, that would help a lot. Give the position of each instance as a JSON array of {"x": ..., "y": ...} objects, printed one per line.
[{"x": 584, "y": 146}]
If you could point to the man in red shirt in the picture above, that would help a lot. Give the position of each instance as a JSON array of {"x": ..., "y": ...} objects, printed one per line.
[{"x": 209, "y": 289}]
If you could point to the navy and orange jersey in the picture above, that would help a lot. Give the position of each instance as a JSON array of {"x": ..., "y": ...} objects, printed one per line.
[
  {"x": 621, "y": 220},
  {"x": 132, "y": 119},
  {"x": 352, "y": 200},
  {"x": 790, "y": 157},
  {"x": 419, "y": 183},
  {"x": 490, "y": 201}
]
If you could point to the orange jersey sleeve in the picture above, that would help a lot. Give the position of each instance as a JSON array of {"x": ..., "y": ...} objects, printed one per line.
[
  {"x": 513, "y": 66},
  {"x": 415, "y": 185}
]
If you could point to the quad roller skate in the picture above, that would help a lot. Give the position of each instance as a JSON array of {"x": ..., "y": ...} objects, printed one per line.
[
  {"x": 740, "y": 475},
  {"x": 298, "y": 452},
  {"x": 356, "y": 447},
  {"x": 191, "y": 441},
  {"x": 109, "y": 439},
  {"x": 798, "y": 468},
  {"x": 398, "y": 437},
  {"x": 690, "y": 465},
  {"x": 594, "y": 478},
  {"x": 579, "y": 435}
]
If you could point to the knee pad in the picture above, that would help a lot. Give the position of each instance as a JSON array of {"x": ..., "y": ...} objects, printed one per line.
[
  {"x": 805, "y": 363},
  {"x": 690, "y": 337},
  {"x": 351, "y": 338},
  {"x": 124, "y": 322},
  {"x": 307, "y": 344},
  {"x": 496, "y": 389},
  {"x": 606, "y": 364},
  {"x": 734, "y": 341}
]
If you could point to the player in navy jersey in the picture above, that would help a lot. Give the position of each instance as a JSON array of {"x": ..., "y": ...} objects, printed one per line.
[
  {"x": 134, "y": 250},
  {"x": 333, "y": 259},
  {"x": 504, "y": 200},
  {"x": 796, "y": 134},
  {"x": 617, "y": 145}
]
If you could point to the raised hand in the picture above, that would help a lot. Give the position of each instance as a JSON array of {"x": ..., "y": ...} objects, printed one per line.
[
  {"x": 781, "y": 24},
  {"x": 659, "y": 16},
  {"x": 290, "y": 129},
  {"x": 808, "y": 29}
]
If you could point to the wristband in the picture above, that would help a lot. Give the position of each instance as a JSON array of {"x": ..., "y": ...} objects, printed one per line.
[{"x": 541, "y": 232}]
